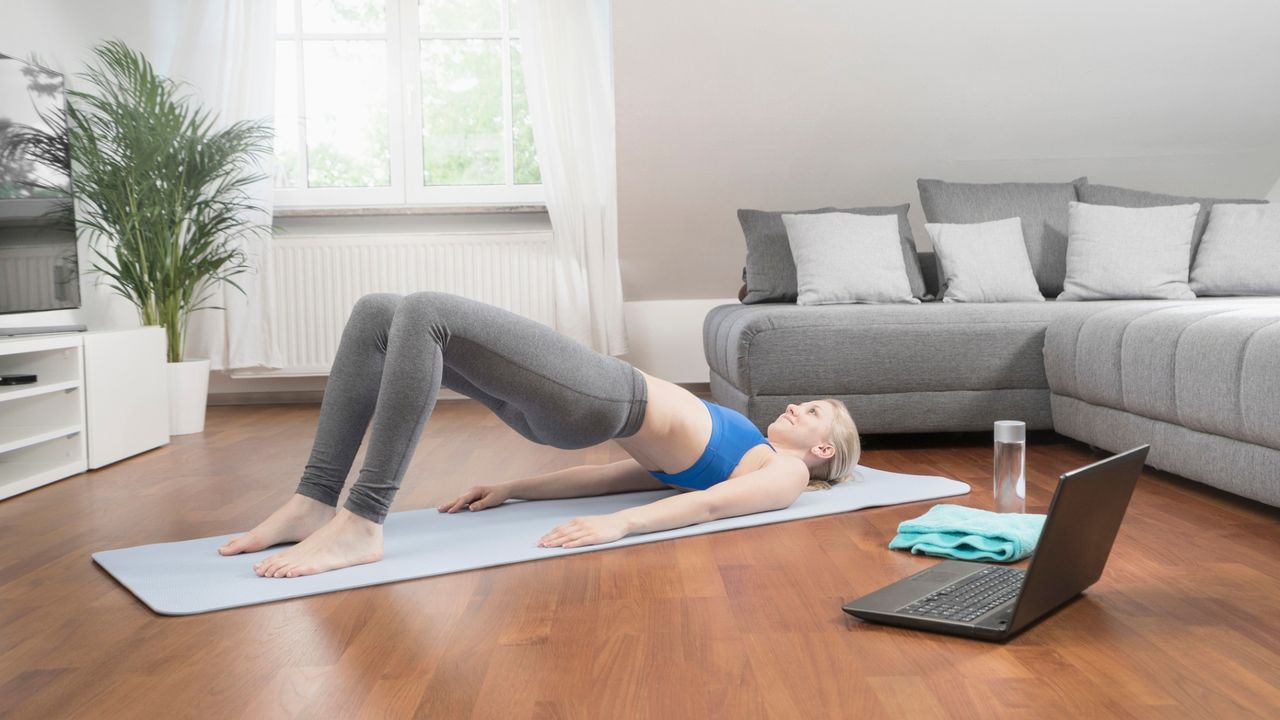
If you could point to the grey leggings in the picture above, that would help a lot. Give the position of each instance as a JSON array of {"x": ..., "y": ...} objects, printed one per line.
[{"x": 397, "y": 351}]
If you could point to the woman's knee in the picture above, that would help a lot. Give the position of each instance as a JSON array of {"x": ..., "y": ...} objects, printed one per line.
[
  {"x": 371, "y": 316},
  {"x": 426, "y": 304},
  {"x": 376, "y": 305},
  {"x": 429, "y": 297}
]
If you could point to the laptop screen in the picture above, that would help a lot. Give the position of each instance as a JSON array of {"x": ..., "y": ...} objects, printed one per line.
[{"x": 1078, "y": 533}]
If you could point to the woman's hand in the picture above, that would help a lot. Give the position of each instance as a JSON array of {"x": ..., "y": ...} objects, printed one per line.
[
  {"x": 589, "y": 530},
  {"x": 479, "y": 498}
]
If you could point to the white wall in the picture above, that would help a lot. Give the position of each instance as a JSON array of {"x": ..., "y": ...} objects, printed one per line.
[
  {"x": 666, "y": 337},
  {"x": 772, "y": 105}
]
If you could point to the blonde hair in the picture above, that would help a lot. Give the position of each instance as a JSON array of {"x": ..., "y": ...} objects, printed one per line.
[{"x": 848, "y": 445}]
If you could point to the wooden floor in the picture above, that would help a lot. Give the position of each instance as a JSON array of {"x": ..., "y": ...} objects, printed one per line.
[{"x": 736, "y": 624}]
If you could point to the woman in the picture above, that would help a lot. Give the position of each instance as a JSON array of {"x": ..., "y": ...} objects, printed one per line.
[{"x": 397, "y": 351}]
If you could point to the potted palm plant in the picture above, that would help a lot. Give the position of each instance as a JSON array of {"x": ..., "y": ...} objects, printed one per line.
[{"x": 166, "y": 191}]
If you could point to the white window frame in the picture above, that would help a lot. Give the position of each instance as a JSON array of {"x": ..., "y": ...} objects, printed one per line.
[{"x": 404, "y": 110}]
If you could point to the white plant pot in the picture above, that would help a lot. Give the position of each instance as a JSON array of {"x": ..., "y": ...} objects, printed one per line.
[{"x": 188, "y": 395}]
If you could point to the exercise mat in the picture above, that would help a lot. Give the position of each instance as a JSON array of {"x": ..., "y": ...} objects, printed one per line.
[{"x": 190, "y": 576}]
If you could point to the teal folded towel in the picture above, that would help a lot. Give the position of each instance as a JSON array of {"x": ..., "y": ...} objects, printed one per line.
[{"x": 965, "y": 533}]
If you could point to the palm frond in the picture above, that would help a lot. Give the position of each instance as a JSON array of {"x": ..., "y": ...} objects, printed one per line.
[{"x": 162, "y": 186}]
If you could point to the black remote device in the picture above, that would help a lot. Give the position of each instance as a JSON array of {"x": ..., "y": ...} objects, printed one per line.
[{"x": 17, "y": 379}]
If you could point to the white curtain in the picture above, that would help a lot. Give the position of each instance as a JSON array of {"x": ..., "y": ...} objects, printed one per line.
[
  {"x": 567, "y": 54},
  {"x": 225, "y": 49}
]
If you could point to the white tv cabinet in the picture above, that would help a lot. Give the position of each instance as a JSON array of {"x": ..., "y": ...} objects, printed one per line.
[{"x": 100, "y": 396}]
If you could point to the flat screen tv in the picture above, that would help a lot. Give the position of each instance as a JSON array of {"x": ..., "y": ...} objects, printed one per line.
[{"x": 39, "y": 266}]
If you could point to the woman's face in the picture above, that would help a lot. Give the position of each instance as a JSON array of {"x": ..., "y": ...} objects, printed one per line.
[{"x": 805, "y": 425}]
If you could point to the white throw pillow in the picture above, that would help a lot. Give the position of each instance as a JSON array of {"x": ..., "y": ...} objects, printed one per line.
[
  {"x": 1128, "y": 253},
  {"x": 1240, "y": 252},
  {"x": 847, "y": 258},
  {"x": 984, "y": 262}
]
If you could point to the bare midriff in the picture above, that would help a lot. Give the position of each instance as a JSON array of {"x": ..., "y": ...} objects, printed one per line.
[{"x": 676, "y": 430}]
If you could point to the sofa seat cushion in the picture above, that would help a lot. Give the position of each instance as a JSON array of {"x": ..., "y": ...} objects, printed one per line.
[
  {"x": 791, "y": 350},
  {"x": 1207, "y": 365}
]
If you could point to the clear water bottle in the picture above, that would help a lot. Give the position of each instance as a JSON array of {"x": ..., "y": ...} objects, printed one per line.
[{"x": 1009, "y": 479}]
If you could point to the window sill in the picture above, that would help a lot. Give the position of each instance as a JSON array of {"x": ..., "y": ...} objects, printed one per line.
[{"x": 339, "y": 211}]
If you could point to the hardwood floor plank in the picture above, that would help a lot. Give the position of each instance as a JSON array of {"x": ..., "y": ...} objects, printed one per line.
[
  {"x": 1215, "y": 681},
  {"x": 287, "y": 693},
  {"x": 907, "y": 696}
]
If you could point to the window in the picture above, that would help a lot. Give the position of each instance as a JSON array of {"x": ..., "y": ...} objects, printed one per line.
[{"x": 394, "y": 102}]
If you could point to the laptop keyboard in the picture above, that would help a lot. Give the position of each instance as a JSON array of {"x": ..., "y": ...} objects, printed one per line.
[{"x": 971, "y": 598}]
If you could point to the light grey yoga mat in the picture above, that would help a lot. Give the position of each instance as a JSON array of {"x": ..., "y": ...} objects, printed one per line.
[{"x": 189, "y": 577}]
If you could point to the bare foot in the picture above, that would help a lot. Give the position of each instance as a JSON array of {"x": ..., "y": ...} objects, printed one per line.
[
  {"x": 346, "y": 540},
  {"x": 295, "y": 520}
]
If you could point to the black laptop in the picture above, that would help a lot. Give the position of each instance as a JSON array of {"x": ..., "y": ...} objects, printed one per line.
[{"x": 992, "y": 602}]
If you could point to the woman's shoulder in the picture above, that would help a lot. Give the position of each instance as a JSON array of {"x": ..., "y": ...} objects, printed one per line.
[{"x": 782, "y": 462}]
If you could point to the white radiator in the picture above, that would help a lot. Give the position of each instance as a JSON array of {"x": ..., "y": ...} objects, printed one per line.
[{"x": 319, "y": 278}]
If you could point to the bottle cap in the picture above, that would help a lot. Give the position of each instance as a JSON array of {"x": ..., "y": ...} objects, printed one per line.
[{"x": 1011, "y": 431}]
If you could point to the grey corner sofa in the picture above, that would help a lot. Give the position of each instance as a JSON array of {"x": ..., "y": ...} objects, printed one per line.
[{"x": 1197, "y": 379}]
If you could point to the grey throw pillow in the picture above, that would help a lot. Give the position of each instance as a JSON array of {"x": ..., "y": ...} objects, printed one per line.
[
  {"x": 847, "y": 258},
  {"x": 1041, "y": 206},
  {"x": 1240, "y": 252},
  {"x": 770, "y": 272},
  {"x": 1127, "y": 253},
  {"x": 1124, "y": 197},
  {"x": 984, "y": 262}
]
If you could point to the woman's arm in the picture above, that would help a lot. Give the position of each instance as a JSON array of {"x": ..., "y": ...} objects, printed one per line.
[
  {"x": 585, "y": 480},
  {"x": 772, "y": 487}
]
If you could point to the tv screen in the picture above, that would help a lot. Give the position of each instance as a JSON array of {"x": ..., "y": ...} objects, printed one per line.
[{"x": 39, "y": 267}]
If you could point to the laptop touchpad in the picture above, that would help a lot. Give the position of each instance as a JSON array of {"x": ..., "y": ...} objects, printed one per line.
[{"x": 944, "y": 575}]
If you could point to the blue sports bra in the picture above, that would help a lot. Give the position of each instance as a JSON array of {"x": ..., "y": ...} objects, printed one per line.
[{"x": 732, "y": 435}]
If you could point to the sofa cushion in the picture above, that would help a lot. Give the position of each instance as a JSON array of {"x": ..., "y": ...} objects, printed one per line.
[
  {"x": 847, "y": 258},
  {"x": 773, "y": 349},
  {"x": 1207, "y": 365},
  {"x": 1042, "y": 207},
  {"x": 770, "y": 272},
  {"x": 1124, "y": 197},
  {"x": 905, "y": 412},
  {"x": 984, "y": 262},
  {"x": 1240, "y": 252},
  {"x": 1117, "y": 252}
]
